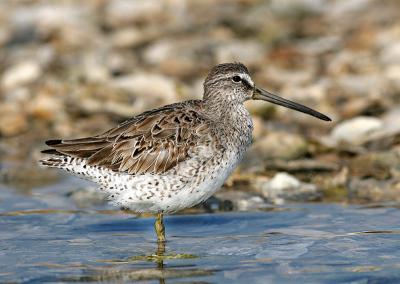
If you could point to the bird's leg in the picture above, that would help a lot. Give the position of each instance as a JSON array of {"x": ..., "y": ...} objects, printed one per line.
[
  {"x": 160, "y": 231},
  {"x": 159, "y": 227},
  {"x": 160, "y": 257}
]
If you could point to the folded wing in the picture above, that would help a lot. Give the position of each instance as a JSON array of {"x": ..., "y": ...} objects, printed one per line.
[{"x": 153, "y": 142}]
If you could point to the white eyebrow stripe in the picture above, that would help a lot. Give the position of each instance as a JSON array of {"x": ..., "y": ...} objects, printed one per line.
[{"x": 247, "y": 78}]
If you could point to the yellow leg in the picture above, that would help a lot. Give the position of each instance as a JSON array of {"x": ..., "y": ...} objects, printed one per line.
[{"x": 159, "y": 227}]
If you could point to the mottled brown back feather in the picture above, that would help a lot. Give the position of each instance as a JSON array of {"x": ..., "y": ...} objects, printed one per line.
[{"x": 152, "y": 142}]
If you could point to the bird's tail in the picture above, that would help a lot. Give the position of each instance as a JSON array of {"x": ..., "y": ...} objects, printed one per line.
[
  {"x": 62, "y": 159},
  {"x": 64, "y": 162},
  {"x": 75, "y": 166},
  {"x": 55, "y": 160}
]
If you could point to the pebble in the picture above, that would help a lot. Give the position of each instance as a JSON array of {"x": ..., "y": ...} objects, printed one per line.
[
  {"x": 250, "y": 52},
  {"x": 392, "y": 73},
  {"x": 391, "y": 53},
  {"x": 377, "y": 165},
  {"x": 95, "y": 71},
  {"x": 279, "y": 145},
  {"x": 320, "y": 45},
  {"x": 307, "y": 94},
  {"x": 42, "y": 21},
  {"x": 20, "y": 74},
  {"x": 159, "y": 51},
  {"x": 370, "y": 85},
  {"x": 285, "y": 187},
  {"x": 356, "y": 130},
  {"x": 174, "y": 57},
  {"x": 45, "y": 107},
  {"x": 240, "y": 200},
  {"x": 388, "y": 135},
  {"x": 12, "y": 120},
  {"x": 371, "y": 190},
  {"x": 131, "y": 37},
  {"x": 125, "y": 12},
  {"x": 288, "y": 7},
  {"x": 4, "y": 36},
  {"x": 282, "y": 76},
  {"x": 359, "y": 106},
  {"x": 391, "y": 121},
  {"x": 148, "y": 85},
  {"x": 340, "y": 8}
]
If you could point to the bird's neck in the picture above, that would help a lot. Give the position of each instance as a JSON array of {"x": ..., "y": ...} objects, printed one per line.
[
  {"x": 232, "y": 118},
  {"x": 221, "y": 110}
]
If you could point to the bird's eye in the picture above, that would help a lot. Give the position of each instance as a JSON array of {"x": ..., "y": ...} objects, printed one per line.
[{"x": 236, "y": 79}]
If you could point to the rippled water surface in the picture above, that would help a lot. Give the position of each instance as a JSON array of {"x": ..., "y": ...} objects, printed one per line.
[{"x": 43, "y": 239}]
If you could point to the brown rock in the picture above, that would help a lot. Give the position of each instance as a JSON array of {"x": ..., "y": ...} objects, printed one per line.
[
  {"x": 372, "y": 190},
  {"x": 45, "y": 107},
  {"x": 376, "y": 165}
]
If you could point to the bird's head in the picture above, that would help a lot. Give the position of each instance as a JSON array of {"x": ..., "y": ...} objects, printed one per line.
[{"x": 230, "y": 83}]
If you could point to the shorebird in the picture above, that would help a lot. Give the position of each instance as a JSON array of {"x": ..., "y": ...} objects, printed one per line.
[{"x": 175, "y": 156}]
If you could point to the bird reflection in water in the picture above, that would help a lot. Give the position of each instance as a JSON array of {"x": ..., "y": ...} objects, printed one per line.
[{"x": 160, "y": 259}]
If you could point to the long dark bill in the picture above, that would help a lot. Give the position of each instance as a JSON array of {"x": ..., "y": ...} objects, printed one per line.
[{"x": 260, "y": 94}]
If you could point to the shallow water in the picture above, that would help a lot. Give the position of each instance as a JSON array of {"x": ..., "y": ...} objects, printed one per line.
[{"x": 45, "y": 238}]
